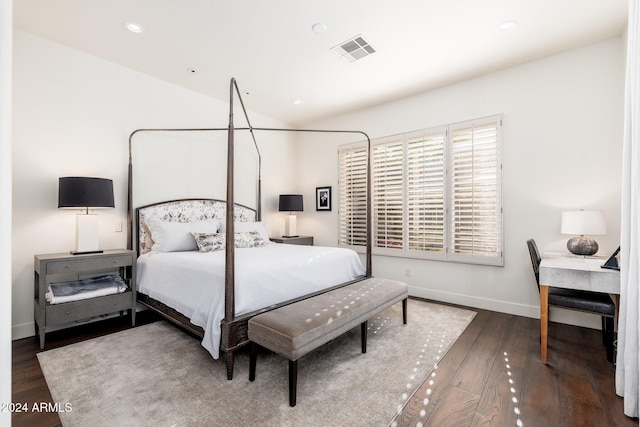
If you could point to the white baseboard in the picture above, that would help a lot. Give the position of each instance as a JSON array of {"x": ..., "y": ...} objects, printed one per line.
[
  {"x": 569, "y": 317},
  {"x": 24, "y": 330}
]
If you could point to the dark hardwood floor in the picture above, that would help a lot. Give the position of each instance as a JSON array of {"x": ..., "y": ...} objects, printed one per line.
[{"x": 492, "y": 376}]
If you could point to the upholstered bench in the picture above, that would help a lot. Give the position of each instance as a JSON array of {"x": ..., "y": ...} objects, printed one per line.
[{"x": 295, "y": 329}]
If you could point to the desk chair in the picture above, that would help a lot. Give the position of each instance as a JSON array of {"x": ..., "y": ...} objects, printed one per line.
[{"x": 585, "y": 301}]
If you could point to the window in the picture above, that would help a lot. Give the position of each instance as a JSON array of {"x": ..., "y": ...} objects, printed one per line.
[
  {"x": 475, "y": 190},
  {"x": 425, "y": 192},
  {"x": 352, "y": 190},
  {"x": 387, "y": 189},
  {"x": 436, "y": 193}
]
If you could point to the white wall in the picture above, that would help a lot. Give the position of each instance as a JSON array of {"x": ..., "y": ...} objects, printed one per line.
[
  {"x": 73, "y": 114},
  {"x": 6, "y": 37},
  {"x": 562, "y": 150}
]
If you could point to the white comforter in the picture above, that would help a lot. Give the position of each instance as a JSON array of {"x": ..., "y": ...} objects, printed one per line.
[{"x": 193, "y": 282}]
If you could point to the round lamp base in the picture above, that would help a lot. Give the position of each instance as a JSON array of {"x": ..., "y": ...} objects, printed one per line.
[{"x": 582, "y": 245}]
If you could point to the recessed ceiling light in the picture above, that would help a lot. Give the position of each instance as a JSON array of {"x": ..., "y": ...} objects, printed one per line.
[
  {"x": 297, "y": 102},
  {"x": 134, "y": 28},
  {"x": 191, "y": 70},
  {"x": 319, "y": 28},
  {"x": 507, "y": 26}
]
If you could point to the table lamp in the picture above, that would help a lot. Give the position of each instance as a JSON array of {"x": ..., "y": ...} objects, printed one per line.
[
  {"x": 85, "y": 193},
  {"x": 290, "y": 203},
  {"x": 583, "y": 223}
]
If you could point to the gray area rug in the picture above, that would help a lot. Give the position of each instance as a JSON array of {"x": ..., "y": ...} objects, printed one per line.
[{"x": 157, "y": 375}]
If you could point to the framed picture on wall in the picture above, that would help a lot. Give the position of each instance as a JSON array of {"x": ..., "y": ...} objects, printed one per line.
[{"x": 323, "y": 198}]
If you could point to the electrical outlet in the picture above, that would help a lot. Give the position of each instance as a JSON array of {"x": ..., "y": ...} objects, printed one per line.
[{"x": 407, "y": 272}]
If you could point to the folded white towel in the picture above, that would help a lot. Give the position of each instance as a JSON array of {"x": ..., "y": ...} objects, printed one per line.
[{"x": 52, "y": 299}]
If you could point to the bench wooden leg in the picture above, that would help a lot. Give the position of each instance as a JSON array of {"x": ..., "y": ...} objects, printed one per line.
[
  {"x": 253, "y": 356},
  {"x": 293, "y": 381},
  {"x": 404, "y": 311},
  {"x": 363, "y": 335}
]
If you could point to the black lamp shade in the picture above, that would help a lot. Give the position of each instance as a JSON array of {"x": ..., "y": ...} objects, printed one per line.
[
  {"x": 81, "y": 192},
  {"x": 290, "y": 203}
]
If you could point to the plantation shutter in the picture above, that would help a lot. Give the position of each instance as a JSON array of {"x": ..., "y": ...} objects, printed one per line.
[
  {"x": 353, "y": 196},
  {"x": 387, "y": 188},
  {"x": 436, "y": 194},
  {"x": 475, "y": 183},
  {"x": 425, "y": 191}
]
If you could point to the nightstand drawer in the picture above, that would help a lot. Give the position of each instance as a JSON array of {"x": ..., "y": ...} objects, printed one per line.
[
  {"x": 83, "y": 309},
  {"x": 88, "y": 263}
]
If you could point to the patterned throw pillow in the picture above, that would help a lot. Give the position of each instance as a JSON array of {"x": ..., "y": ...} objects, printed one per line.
[
  {"x": 249, "y": 239},
  {"x": 212, "y": 242},
  {"x": 209, "y": 242}
]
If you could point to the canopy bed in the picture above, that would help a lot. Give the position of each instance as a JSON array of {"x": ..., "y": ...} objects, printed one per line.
[{"x": 212, "y": 295}]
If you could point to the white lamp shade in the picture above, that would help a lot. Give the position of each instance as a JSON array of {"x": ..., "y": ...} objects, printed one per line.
[{"x": 589, "y": 223}]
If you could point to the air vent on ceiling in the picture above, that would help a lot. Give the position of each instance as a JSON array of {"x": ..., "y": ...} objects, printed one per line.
[{"x": 354, "y": 49}]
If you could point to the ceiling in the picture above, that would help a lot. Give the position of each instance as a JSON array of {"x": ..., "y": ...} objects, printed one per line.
[{"x": 276, "y": 57}]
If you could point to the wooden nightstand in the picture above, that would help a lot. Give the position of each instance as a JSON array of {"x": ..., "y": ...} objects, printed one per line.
[
  {"x": 298, "y": 240},
  {"x": 64, "y": 267}
]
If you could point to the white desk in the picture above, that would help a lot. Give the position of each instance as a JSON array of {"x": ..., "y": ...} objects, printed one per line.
[{"x": 573, "y": 273}]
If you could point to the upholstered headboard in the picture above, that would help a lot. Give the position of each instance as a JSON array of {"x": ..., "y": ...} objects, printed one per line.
[{"x": 188, "y": 210}]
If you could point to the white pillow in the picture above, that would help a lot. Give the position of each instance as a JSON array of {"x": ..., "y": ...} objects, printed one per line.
[
  {"x": 176, "y": 236},
  {"x": 245, "y": 227}
]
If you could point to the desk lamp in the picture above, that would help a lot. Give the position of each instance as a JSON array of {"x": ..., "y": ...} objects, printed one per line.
[
  {"x": 86, "y": 193},
  {"x": 583, "y": 223},
  {"x": 290, "y": 203}
]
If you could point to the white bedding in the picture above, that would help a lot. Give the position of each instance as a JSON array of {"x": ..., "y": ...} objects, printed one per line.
[{"x": 193, "y": 283}]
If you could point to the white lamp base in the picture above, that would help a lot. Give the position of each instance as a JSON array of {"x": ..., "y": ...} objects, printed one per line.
[
  {"x": 86, "y": 234},
  {"x": 290, "y": 226}
]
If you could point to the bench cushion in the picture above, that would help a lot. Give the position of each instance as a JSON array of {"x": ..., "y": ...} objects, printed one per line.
[{"x": 296, "y": 329}]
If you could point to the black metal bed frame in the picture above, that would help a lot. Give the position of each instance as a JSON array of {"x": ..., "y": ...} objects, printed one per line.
[{"x": 234, "y": 333}]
